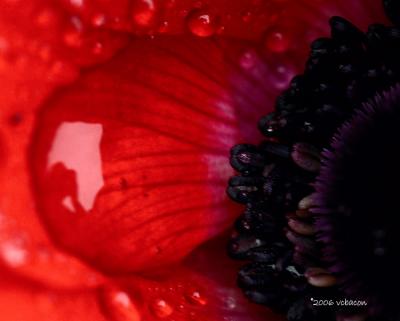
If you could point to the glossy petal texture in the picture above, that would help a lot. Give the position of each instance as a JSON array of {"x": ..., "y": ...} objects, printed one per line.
[
  {"x": 203, "y": 288},
  {"x": 33, "y": 61},
  {"x": 25, "y": 301},
  {"x": 129, "y": 164}
]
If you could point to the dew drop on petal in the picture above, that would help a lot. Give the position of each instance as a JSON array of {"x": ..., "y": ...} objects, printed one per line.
[
  {"x": 201, "y": 24},
  {"x": 76, "y": 23},
  {"x": 163, "y": 27},
  {"x": 230, "y": 303},
  {"x": 283, "y": 75},
  {"x": 98, "y": 20},
  {"x": 122, "y": 299},
  {"x": 120, "y": 306},
  {"x": 98, "y": 48},
  {"x": 14, "y": 252},
  {"x": 77, "y": 3},
  {"x": 247, "y": 16},
  {"x": 161, "y": 309},
  {"x": 248, "y": 59},
  {"x": 195, "y": 297},
  {"x": 143, "y": 12},
  {"x": 277, "y": 41}
]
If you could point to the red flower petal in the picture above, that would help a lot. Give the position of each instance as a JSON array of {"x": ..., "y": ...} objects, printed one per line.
[
  {"x": 27, "y": 253},
  {"x": 203, "y": 288},
  {"x": 25, "y": 301},
  {"x": 33, "y": 61},
  {"x": 130, "y": 163}
]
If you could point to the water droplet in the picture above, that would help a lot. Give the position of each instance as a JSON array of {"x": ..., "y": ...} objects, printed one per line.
[
  {"x": 77, "y": 3},
  {"x": 277, "y": 41},
  {"x": 143, "y": 12},
  {"x": 98, "y": 48},
  {"x": 14, "y": 252},
  {"x": 283, "y": 75},
  {"x": 161, "y": 308},
  {"x": 76, "y": 23},
  {"x": 121, "y": 307},
  {"x": 163, "y": 27},
  {"x": 122, "y": 299},
  {"x": 230, "y": 303},
  {"x": 195, "y": 297},
  {"x": 201, "y": 24},
  {"x": 98, "y": 20},
  {"x": 247, "y": 16},
  {"x": 220, "y": 30},
  {"x": 248, "y": 59}
]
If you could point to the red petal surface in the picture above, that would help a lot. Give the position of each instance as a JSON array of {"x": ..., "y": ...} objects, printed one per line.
[
  {"x": 34, "y": 59},
  {"x": 203, "y": 288},
  {"x": 130, "y": 163},
  {"x": 22, "y": 301},
  {"x": 28, "y": 253}
]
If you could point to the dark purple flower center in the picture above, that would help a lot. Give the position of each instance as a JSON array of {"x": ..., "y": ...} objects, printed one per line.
[
  {"x": 358, "y": 202},
  {"x": 321, "y": 190}
]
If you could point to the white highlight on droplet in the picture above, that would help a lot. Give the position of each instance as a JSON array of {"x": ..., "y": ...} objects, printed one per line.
[{"x": 13, "y": 253}]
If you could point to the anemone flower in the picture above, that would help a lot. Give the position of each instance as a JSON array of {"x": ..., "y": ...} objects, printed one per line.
[{"x": 117, "y": 121}]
